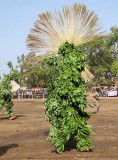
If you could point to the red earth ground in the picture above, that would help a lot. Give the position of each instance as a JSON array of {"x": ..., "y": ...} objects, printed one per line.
[{"x": 26, "y": 136}]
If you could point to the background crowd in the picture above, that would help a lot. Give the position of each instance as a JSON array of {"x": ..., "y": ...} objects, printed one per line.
[
  {"x": 42, "y": 93},
  {"x": 30, "y": 93}
]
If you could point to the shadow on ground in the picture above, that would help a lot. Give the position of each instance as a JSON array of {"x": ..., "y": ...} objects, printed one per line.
[{"x": 4, "y": 149}]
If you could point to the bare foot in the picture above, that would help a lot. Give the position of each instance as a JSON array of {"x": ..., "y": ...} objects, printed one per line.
[{"x": 12, "y": 118}]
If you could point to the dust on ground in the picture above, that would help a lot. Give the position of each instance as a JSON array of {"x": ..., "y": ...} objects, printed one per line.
[{"x": 26, "y": 136}]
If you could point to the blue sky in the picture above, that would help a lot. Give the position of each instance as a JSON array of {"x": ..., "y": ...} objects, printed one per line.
[{"x": 17, "y": 18}]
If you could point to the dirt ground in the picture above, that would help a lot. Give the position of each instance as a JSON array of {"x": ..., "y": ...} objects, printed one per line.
[{"x": 26, "y": 136}]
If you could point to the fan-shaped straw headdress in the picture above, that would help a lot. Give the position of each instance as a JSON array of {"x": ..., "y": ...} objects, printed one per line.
[{"x": 74, "y": 24}]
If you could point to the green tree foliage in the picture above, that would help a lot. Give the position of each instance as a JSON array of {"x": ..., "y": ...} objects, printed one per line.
[
  {"x": 10, "y": 65},
  {"x": 102, "y": 56},
  {"x": 98, "y": 58},
  {"x": 66, "y": 103},
  {"x": 112, "y": 42},
  {"x": 114, "y": 67},
  {"x": 32, "y": 73},
  {"x": 6, "y": 95},
  {"x": 15, "y": 72}
]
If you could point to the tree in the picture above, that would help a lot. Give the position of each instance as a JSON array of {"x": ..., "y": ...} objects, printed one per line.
[
  {"x": 32, "y": 72},
  {"x": 61, "y": 34},
  {"x": 101, "y": 57},
  {"x": 20, "y": 61},
  {"x": 113, "y": 45},
  {"x": 15, "y": 72},
  {"x": 10, "y": 65},
  {"x": 112, "y": 42},
  {"x": 114, "y": 67}
]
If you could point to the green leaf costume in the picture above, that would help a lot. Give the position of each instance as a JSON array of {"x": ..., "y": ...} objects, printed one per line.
[
  {"x": 6, "y": 95},
  {"x": 67, "y": 100}
]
